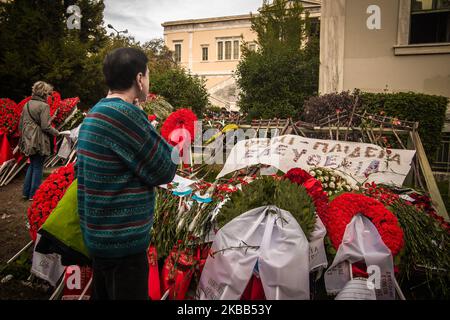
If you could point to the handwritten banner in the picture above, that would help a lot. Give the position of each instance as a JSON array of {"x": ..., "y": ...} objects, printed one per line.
[{"x": 357, "y": 162}]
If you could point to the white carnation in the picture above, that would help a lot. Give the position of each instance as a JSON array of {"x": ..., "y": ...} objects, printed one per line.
[{"x": 332, "y": 185}]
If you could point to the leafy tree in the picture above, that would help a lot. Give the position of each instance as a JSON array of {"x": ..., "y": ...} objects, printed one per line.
[
  {"x": 180, "y": 89},
  {"x": 37, "y": 45},
  {"x": 276, "y": 79}
]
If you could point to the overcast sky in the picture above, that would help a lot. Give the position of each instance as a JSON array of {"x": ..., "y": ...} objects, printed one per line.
[{"x": 143, "y": 18}]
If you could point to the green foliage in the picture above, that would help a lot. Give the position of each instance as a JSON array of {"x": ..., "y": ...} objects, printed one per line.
[
  {"x": 275, "y": 80},
  {"x": 158, "y": 107},
  {"x": 37, "y": 45},
  {"x": 269, "y": 191},
  {"x": 428, "y": 110},
  {"x": 19, "y": 269},
  {"x": 180, "y": 89},
  {"x": 427, "y": 245}
]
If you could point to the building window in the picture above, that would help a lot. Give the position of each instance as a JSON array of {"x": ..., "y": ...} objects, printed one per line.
[
  {"x": 220, "y": 50},
  {"x": 227, "y": 50},
  {"x": 177, "y": 55},
  {"x": 430, "y": 21},
  {"x": 204, "y": 54},
  {"x": 252, "y": 47},
  {"x": 236, "y": 49}
]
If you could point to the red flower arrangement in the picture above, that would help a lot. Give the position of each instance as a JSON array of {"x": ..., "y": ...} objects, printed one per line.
[
  {"x": 66, "y": 107},
  {"x": 298, "y": 176},
  {"x": 342, "y": 209},
  {"x": 48, "y": 196},
  {"x": 9, "y": 116},
  {"x": 54, "y": 102},
  {"x": 180, "y": 119},
  {"x": 22, "y": 103},
  {"x": 152, "y": 96},
  {"x": 384, "y": 195},
  {"x": 179, "y": 269},
  {"x": 423, "y": 202},
  {"x": 313, "y": 188}
]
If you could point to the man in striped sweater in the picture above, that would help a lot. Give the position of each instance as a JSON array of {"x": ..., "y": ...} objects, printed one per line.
[{"x": 121, "y": 158}]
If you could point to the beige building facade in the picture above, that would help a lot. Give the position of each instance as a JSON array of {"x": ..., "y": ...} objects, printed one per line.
[
  {"x": 378, "y": 45},
  {"x": 211, "y": 48}
]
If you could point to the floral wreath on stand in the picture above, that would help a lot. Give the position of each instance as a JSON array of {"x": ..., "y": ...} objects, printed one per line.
[
  {"x": 313, "y": 188},
  {"x": 47, "y": 197},
  {"x": 342, "y": 210},
  {"x": 268, "y": 191},
  {"x": 179, "y": 130}
]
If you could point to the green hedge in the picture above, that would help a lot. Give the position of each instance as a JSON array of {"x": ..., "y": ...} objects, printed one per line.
[{"x": 428, "y": 110}]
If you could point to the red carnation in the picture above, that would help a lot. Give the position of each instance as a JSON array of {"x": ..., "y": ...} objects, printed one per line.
[
  {"x": 180, "y": 119},
  {"x": 343, "y": 208},
  {"x": 298, "y": 176},
  {"x": 313, "y": 188},
  {"x": 47, "y": 197}
]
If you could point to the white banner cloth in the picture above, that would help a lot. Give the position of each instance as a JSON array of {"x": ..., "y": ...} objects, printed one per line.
[
  {"x": 281, "y": 250},
  {"x": 47, "y": 266},
  {"x": 357, "y": 162},
  {"x": 362, "y": 242}
]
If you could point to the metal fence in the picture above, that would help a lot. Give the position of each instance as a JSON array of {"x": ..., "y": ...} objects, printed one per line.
[{"x": 441, "y": 161}]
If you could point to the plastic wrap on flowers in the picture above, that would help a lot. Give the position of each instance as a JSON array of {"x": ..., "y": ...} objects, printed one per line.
[
  {"x": 313, "y": 188},
  {"x": 48, "y": 196},
  {"x": 179, "y": 269},
  {"x": 342, "y": 209},
  {"x": 332, "y": 182},
  {"x": 66, "y": 108},
  {"x": 157, "y": 106}
]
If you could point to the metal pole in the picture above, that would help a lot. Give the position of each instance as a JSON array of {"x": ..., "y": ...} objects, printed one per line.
[{"x": 17, "y": 255}]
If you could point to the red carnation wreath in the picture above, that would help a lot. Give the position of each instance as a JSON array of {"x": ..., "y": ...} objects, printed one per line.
[
  {"x": 47, "y": 197},
  {"x": 343, "y": 208},
  {"x": 9, "y": 116},
  {"x": 177, "y": 127},
  {"x": 313, "y": 188},
  {"x": 180, "y": 119}
]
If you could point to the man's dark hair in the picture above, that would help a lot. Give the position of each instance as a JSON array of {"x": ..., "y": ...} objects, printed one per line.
[{"x": 121, "y": 66}]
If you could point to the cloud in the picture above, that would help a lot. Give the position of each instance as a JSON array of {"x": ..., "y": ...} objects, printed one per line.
[{"x": 143, "y": 18}]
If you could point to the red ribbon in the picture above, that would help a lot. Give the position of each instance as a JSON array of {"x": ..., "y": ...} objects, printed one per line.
[
  {"x": 179, "y": 269},
  {"x": 5, "y": 148},
  {"x": 154, "y": 286},
  {"x": 254, "y": 289}
]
